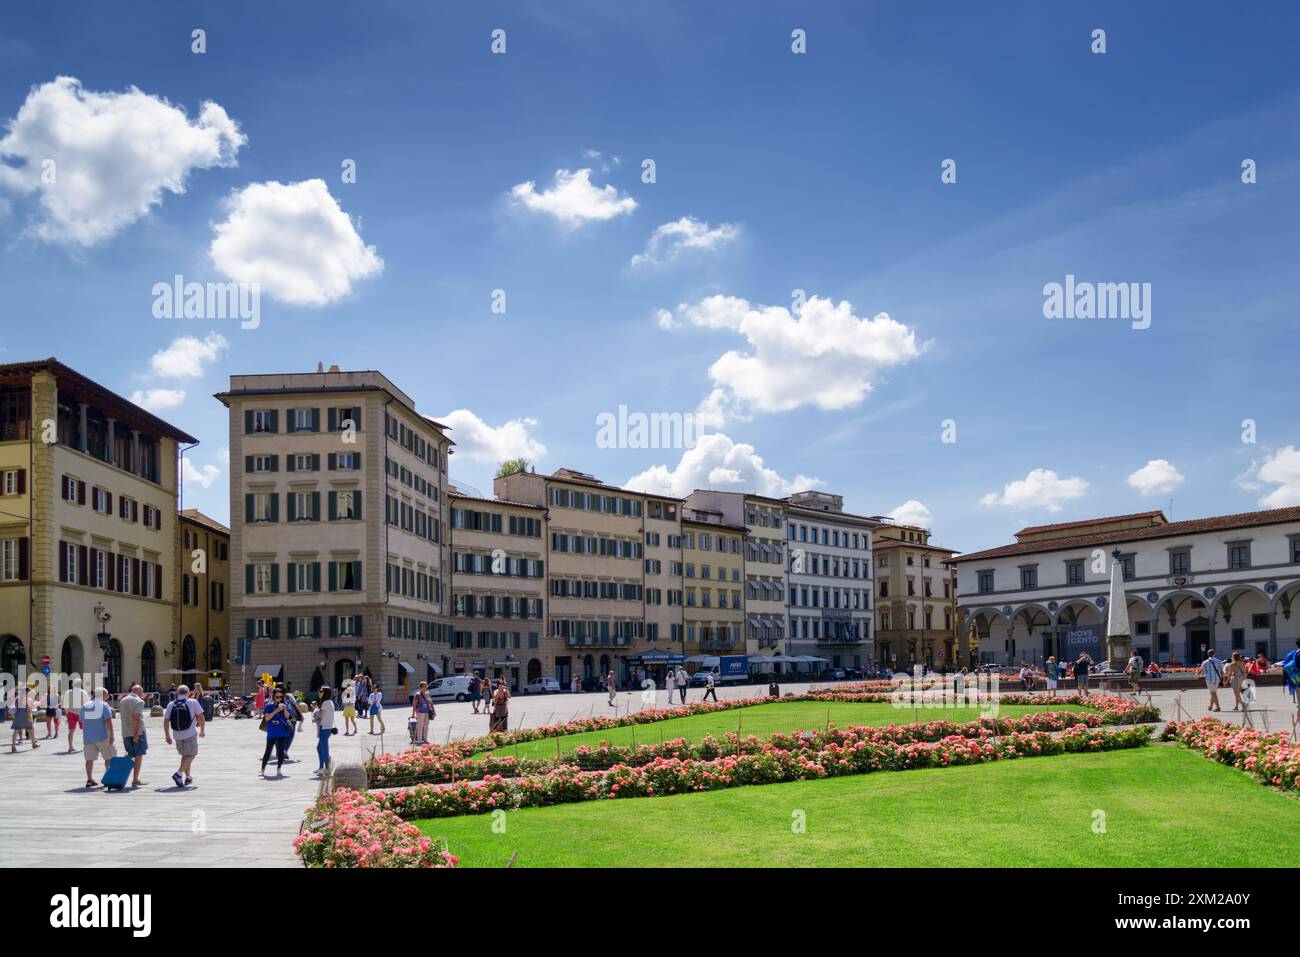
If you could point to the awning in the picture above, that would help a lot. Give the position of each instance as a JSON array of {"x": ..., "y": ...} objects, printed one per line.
[
  {"x": 764, "y": 660},
  {"x": 657, "y": 657},
  {"x": 272, "y": 670},
  {"x": 505, "y": 664},
  {"x": 434, "y": 669},
  {"x": 754, "y": 622},
  {"x": 407, "y": 667}
]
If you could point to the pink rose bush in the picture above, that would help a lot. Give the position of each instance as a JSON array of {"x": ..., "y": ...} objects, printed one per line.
[
  {"x": 349, "y": 829},
  {"x": 1272, "y": 758}
]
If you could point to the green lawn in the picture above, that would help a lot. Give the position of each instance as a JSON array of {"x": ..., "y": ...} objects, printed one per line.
[
  {"x": 1164, "y": 806},
  {"x": 762, "y": 720}
]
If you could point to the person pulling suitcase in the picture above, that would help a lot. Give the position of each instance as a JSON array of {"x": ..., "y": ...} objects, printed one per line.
[{"x": 97, "y": 734}]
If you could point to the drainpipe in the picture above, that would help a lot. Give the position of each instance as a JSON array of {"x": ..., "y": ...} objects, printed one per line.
[{"x": 180, "y": 495}]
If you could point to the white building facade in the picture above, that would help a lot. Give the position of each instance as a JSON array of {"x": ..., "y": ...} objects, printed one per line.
[{"x": 1226, "y": 582}]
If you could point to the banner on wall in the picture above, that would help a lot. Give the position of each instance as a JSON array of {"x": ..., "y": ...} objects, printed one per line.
[{"x": 1079, "y": 639}]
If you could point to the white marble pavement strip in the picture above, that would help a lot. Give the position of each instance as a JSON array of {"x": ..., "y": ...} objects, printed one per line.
[{"x": 234, "y": 817}]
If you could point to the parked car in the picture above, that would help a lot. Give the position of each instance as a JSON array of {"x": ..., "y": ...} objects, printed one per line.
[
  {"x": 839, "y": 674},
  {"x": 452, "y": 688},
  {"x": 593, "y": 683},
  {"x": 542, "y": 686}
]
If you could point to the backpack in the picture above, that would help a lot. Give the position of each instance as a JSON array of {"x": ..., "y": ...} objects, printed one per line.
[
  {"x": 181, "y": 719},
  {"x": 1291, "y": 669}
]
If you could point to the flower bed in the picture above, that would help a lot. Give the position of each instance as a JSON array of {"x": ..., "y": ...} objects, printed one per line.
[
  {"x": 1272, "y": 758},
  {"x": 349, "y": 829},
  {"x": 770, "y": 764},
  {"x": 443, "y": 763}
]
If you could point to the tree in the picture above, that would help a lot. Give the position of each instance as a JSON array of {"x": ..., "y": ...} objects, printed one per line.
[{"x": 511, "y": 466}]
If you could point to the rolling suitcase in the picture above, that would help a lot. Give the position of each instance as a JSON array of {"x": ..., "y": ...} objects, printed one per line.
[{"x": 117, "y": 773}]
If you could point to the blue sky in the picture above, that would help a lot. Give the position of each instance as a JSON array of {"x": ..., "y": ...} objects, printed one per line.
[{"x": 817, "y": 171}]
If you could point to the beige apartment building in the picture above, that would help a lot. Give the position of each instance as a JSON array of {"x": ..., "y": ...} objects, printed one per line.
[
  {"x": 916, "y": 600},
  {"x": 498, "y": 593},
  {"x": 765, "y": 579},
  {"x": 89, "y": 538},
  {"x": 595, "y": 567},
  {"x": 665, "y": 613},
  {"x": 205, "y": 648},
  {"x": 714, "y": 583},
  {"x": 339, "y": 536}
]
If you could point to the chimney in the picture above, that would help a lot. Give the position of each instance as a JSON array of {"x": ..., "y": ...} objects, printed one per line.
[{"x": 320, "y": 366}]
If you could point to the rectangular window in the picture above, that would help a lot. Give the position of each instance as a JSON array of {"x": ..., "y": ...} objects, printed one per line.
[
  {"x": 1028, "y": 578},
  {"x": 9, "y": 559},
  {"x": 1180, "y": 562},
  {"x": 264, "y": 420},
  {"x": 1073, "y": 573},
  {"x": 1259, "y": 621},
  {"x": 1239, "y": 555},
  {"x": 985, "y": 582}
]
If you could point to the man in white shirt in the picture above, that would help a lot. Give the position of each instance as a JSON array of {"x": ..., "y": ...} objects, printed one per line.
[
  {"x": 682, "y": 681},
  {"x": 74, "y": 699},
  {"x": 183, "y": 722}
]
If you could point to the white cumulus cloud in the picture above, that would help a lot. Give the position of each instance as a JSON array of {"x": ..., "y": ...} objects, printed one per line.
[
  {"x": 913, "y": 512},
  {"x": 573, "y": 199},
  {"x": 1280, "y": 468},
  {"x": 1157, "y": 477},
  {"x": 824, "y": 356},
  {"x": 1041, "y": 488},
  {"x": 100, "y": 161},
  {"x": 716, "y": 462},
  {"x": 187, "y": 355},
  {"x": 480, "y": 442},
  {"x": 671, "y": 239},
  {"x": 203, "y": 477},
  {"x": 293, "y": 240},
  {"x": 156, "y": 399}
]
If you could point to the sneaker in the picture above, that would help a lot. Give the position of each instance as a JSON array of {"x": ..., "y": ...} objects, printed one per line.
[
  {"x": 180, "y": 781},
  {"x": 188, "y": 780}
]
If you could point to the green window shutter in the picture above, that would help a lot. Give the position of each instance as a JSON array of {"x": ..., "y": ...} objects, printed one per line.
[
  {"x": 248, "y": 508},
  {"x": 315, "y": 462},
  {"x": 356, "y": 417},
  {"x": 332, "y": 420},
  {"x": 357, "y": 458},
  {"x": 275, "y": 463},
  {"x": 293, "y": 627},
  {"x": 333, "y": 458},
  {"x": 275, "y": 420},
  {"x": 315, "y": 626},
  {"x": 248, "y": 628},
  {"x": 289, "y": 423},
  {"x": 334, "y": 576},
  {"x": 356, "y": 499},
  {"x": 275, "y": 579},
  {"x": 248, "y": 463},
  {"x": 334, "y": 626},
  {"x": 315, "y": 506},
  {"x": 291, "y": 506},
  {"x": 315, "y": 423},
  {"x": 248, "y": 421},
  {"x": 291, "y": 578},
  {"x": 275, "y": 627},
  {"x": 248, "y": 580},
  {"x": 332, "y": 503},
  {"x": 315, "y": 576},
  {"x": 358, "y": 622},
  {"x": 356, "y": 570},
  {"x": 288, "y": 463},
  {"x": 275, "y": 507}
]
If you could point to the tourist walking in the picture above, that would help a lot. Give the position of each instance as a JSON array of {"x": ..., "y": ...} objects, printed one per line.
[
  {"x": 1291, "y": 674},
  {"x": 294, "y": 710},
  {"x": 1053, "y": 673},
  {"x": 51, "y": 713},
  {"x": 475, "y": 690},
  {"x": 710, "y": 688},
  {"x": 97, "y": 734},
  {"x": 74, "y": 699},
  {"x": 278, "y": 719},
  {"x": 134, "y": 739},
  {"x": 422, "y": 710},
  {"x": 324, "y": 718},
  {"x": 486, "y": 693},
  {"x": 612, "y": 688},
  {"x": 670, "y": 682},
  {"x": 183, "y": 724},
  {"x": 1212, "y": 671},
  {"x": 500, "y": 708},
  {"x": 22, "y": 722},
  {"x": 1236, "y": 674},
  {"x": 576, "y": 684},
  {"x": 1082, "y": 665},
  {"x": 1134, "y": 671},
  {"x": 376, "y": 709},
  {"x": 349, "y": 708},
  {"x": 682, "y": 681}
]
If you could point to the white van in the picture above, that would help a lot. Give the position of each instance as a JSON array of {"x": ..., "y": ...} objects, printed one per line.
[{"x": 452, "y": 688}]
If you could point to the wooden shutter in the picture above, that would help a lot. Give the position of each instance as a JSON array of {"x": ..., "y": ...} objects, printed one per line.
[
  {"x": 334, "y": 626},
  {"x": 315, "y": 626},
  {"x": 291, "y": 578},
  {"x": 157, "y": 582},
  {"x": 248, "y": 421},
  {"x": 332, "y": 504},
  {"x": 137, "y": 585},
  {"x": 356, "y": 504},
  {"x": 289, "y": 463},
  {"x": 315, "y": 506},
  {"x": 108, "y": 502},
  {"x": 293, "y": 627},
  {"x": 315, "y": 462},
  {"x": 275, "y": 506},
  {"x": 275, "y": 420},
  {"x": 248, "y": 463},
  {"x": 315, "y": 422},
  {"x": 315, "y": 576},
  {"x": 275, "y": 627},
  {"x": 334, "y": 576},
  {"x": 110, "y": 571},
  {"x": 135, "y": 511},
  {"x": 82, "y": 565},
  {"x": 22, "y": 559},
  {"x": 248, "y": 579},
  {"x": 248, "y": 628},
  {"x": 275, "y": 578},
  {"x": 81, "y": 492},
  {"x": 290, "y": 426},
  {"x": 356, "y": 458},
  {"x": 22, "y": 481},
  {"x": 332, "y": 421},
  {"x": 291, "y": 503},
  {"x": 333, "y": 459},
  {"x": 356, "y": 574}
]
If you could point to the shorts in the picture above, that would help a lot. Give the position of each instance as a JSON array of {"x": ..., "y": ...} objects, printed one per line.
[
  {"x": 349, "y": 712},
  {"x": 1133, "y": 678},
  {"x": 1212, "y": 684},
  {"x": 136, "y": 749},
  {"x": 51, "y": 714},
  {"x": 1051, "y": 684},
  {"x": 374, "y": 710},
  {"x": 74, "y": 721},
  {"x": 99, "y": 749},
  {"x": 187, "y": 747}
]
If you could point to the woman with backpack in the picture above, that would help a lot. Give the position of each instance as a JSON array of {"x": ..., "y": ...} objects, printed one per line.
[
  {"x": 323, "y": 716},
  {"x": 422, "y": 711},
  {"x": 276, "y": 723},
  {"x": 376, "y": 703}
]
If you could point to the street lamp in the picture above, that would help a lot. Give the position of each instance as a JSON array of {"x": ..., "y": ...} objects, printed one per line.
[{"x": 103, "y": 617}]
